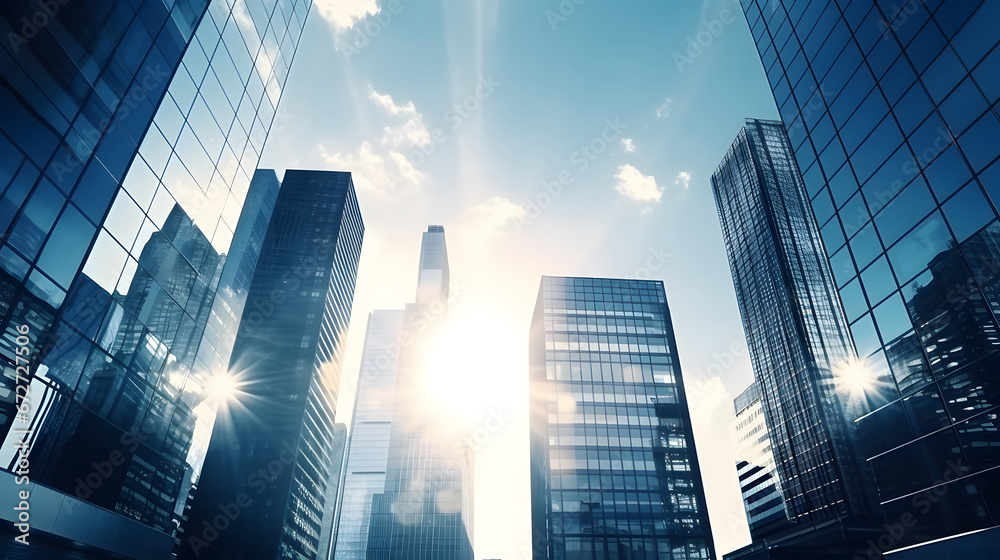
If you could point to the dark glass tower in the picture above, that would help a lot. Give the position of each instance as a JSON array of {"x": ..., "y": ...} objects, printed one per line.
[
  {"x": 892, "y": 116},
  {"x": 128, "y": 138},
  {"x": 263, "y": 489},
  {"x": 614, "y": 472},
  {"x": 796, "y": 331},
  {"x": 424, "y": 509}
]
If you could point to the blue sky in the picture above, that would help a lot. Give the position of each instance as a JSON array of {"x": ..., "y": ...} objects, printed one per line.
[{"x": 460, "y": 112}]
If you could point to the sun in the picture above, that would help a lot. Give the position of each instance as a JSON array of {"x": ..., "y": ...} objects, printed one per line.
[
  {"x": 221, "y": 389},
  {"x": 468, "y": 363},
  {"x": 855, "y": 378}
]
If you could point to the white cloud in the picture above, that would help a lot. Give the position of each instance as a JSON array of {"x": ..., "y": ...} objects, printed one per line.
[
  {"x": 385, "y": 174},
  {"x": 406, "y": 170},
  {"x": 382, "y": 166},
  {"x": 343, "y": 14},
  {"x": 637, "y": 186},
  {"x": 384, "y": 101},
  {"x": 483, "y": 224},
  {"x": 664, "y": 109},
  {"x": 497, "y": 212},
  {"x": 413, "y": 132},
  {"x": 629, "y": 145},
  {"x": 683, "y": 178}
]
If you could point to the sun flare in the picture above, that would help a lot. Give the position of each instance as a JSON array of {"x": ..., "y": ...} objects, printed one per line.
[{"x": 468, "y": 363}]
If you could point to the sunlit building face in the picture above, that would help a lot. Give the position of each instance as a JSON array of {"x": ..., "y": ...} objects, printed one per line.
[
  {"x": 614, "y": 472},
  {"x": 408, "y": 482}
]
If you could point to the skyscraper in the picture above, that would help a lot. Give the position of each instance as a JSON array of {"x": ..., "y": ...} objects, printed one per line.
[
  {"x": 755, "y": 465},
  {"x": 408, "y": 484},
  {"x": 368, "y": 449},
  {"x": 325, "y": 549},
  {"x": 799, "y": 344},
  {"x": 263, "y": 489},
  {"x": 891, "y": 113},
  {"x": 796, "y": 332},
  {"x": 614, "y": 472},
  {"x": 129, "y": 135}
]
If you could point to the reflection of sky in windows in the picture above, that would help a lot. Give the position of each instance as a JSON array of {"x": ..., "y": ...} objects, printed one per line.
[
  {"x": 924, "y": 133},
  {"x": 131, "y": 331},
  {"x": 620, "y": 458},
  {"x": 779, "y": 268},
  {"x": 367, "y": 456},
  {"x": 202, "y": 147}
]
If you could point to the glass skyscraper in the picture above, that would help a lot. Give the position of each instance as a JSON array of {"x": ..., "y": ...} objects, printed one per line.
[
  {"x": 325, "y": 547},
  {"x": 129, "y": 135},
  {"x": 796, "y": 332},
  {"x": 263, "y": 489},
  {"x": 892, "y": 116},
  {"x": 368, "y": 448},
  {"x": 614, "y": 471},
  {"x": 755, "y": 465},
  {"x": 408, "y": 484}
]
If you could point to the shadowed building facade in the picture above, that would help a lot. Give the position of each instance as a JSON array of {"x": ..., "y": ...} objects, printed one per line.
[
  {"x": 891, "y": 111},
  {"x": 614, "y": 471},
  {"x": 799, "y": 343},
  {"x": 129, "y": 136},
  {"x": 263, "y": 492}
]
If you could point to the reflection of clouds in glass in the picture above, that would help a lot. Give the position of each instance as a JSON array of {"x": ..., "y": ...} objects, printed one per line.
[
  {"x": 124, "y": 220},
  {"x": 106, "y": 261}
]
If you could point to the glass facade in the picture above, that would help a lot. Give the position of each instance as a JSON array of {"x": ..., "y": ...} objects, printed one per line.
[
  {"x": 424, "y": 510},
  {"x": 755, "y": 465},
  {"x": 434, "y": 276},
  {"x": 271, "y": 457},
  {"x": 129, "y": 135},
  {"x": 325, "y": 547},
  {"x": 614, "y": 471},
  {"x": 892, "y": 115},
  {"x": 368, "y": 452},
  {"x": 796, "y": 331}
]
